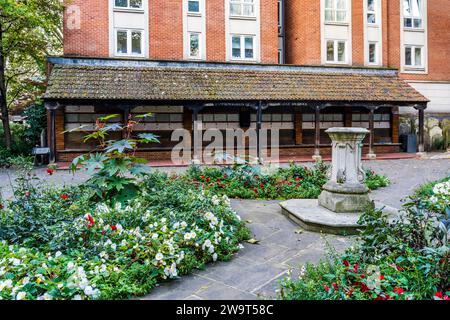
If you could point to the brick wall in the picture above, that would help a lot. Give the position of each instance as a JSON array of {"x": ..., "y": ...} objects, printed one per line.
[
  {"x": 166, "y": 29},
  {"x": 86, "y": 28},
  {"x": 215, "y": 30},
  {"x": 269, "y": 31},
  {"x": 358, "y": 32},
  {"x": 303, "y": 32},
  {"x": 89, "y": 35}
]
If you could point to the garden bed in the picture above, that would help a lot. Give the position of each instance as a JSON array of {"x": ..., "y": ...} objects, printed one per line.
[
  {"x": 406, "y": 259},
  {"x": 58, "y": 244}
]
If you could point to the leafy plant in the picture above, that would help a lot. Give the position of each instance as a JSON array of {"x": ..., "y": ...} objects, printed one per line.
[{"x": 114, "y": 168}]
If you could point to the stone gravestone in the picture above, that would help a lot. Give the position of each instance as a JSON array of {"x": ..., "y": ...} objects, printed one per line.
[{"x": 346, "y": 191}]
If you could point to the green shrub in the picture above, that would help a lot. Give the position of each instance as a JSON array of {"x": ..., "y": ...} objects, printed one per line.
[
  {"x": 408, "y": 258},
  {"x": 434, "y": 196}
]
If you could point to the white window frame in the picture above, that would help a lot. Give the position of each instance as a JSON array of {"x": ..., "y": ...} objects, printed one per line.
[
  {"x": 377, "y": 46},
  {"x": 242, "y": 4},
  {"x": 129, "y": 43},
  {"x": 199, "y": 12},
  {"x": 335, "y": 10},
  {"x": 413, "y": 57},
  {"x": 336, "y": 51},
  {"x": 199, "y": 35},
  {"x": 128, "y": 6},
  {"x": 242, "y": 47},
  {"x": 371, "y": 12},
  {"x": 412, "y": 16}
]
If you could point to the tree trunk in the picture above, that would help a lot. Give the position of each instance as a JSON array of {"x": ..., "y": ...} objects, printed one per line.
[{"x": 3, "y": 101}]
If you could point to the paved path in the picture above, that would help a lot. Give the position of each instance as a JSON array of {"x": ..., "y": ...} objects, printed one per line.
[{"x": 254, "y": 272}]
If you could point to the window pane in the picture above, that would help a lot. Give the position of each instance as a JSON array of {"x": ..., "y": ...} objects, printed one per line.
[
  {"x": 330, "y": 50},
  {"x": 248, "y": 10},
  {"x": 341, "y": 15},
  {"x": 341, "y": 51},
  {"x": 372, "y": 52},
  {"x": 121, "y": 3},
  {"x": 136, "y": 4},
  {"x": 408, "y": 57},
  {"x": 418, "y": 56},
  {"x": 235, "y": 9},
  {"x": 406, "y": 8},
  {"x": 329, "y": 4},
  {"x": 236, "y": 44},
  {"x": 408, "y": 23},
  {"x": 371, "y": 5},
  {"x": 341, "y": 4},
  {"x": 194, "y": 45},
  {"x": 371, "y": 18},
  {"x": 416, "y": 8},
  {"x": 122, "y": 42},
  {"x": 417, "y": 23},
  {"x": 193, "y": 6},
  {"x": 329, "y": 15},
  {"x": 249, "y": 47},
  {"x": 136, "y": 38}
]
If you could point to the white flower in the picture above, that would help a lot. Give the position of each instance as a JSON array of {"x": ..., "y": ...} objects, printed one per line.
[
  {"x": 211, "y": 249},
  {"x": 15, "y": 261},
  {"x": 47, "y": 296},
  {"x": 70, "y": 266},
  {"x": 25, "y": 280},
  {"x": 176, "y": 225},
  {"x": 183, "y": 224},
  {"x": 164, "y": 229},
  {"x": 114, "y": 246},
  {"x": 159, "y": 256},
  {"x": 58, "y": 254},
  {"x": 21, "y": 295},
  {"x": 77, "y": 297},
  {"x": 89, "y": 291},
  {"x": 5, "y": 284},
  {"x": 154, "y": 236},
  {"x": 207, "y": 243},
  {"x": 214, "y": 257}
]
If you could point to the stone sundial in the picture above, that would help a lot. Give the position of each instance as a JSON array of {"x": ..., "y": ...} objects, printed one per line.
[{"x": 344, "y": 196}]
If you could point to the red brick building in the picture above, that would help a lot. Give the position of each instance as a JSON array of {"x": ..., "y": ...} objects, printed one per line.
[{"x": 297, "y": 66}]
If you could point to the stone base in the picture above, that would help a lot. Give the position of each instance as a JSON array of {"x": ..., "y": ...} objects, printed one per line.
[
  {"x": 312, "y": 217},
  {"x": 371, "y": 156},
  {"x": 317, "y": 158},
  {"x": 344, "y": 202},
  {"x": 421, "y": 155}
]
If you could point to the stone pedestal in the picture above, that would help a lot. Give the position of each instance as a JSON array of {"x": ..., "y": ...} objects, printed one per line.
[{"x": 345, "y": 191}]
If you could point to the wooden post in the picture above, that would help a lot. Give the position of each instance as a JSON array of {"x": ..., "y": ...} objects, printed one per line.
[
  {"x": 298, "y": 127},
  {"x": 52, "y": 107},
  {"x": 371, "y": 154},
  {"x": 317, "y": 156},
  {"x": 421, "y": 130}
]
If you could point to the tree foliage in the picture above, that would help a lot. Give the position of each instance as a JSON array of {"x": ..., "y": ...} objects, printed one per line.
[{"x": 30, "y": 30}]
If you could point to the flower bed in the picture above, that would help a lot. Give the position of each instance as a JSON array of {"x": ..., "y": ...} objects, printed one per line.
[
  {"x": 434, "y": 196},
  {"x": 251, "y": 182},
  {"x": 57, "y": 244},
  {"x": 404, "y": 259}
]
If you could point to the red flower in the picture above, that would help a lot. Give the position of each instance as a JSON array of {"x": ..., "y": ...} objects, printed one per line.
[
  {"x": 364, "y": 287},
  {"x": 382, "y": 277},
  {"x": 298, "y": 179},
  {"x": 327, "y": 288},
  {"x": 113, "y": 228},
  {"x": 350, "y": 292},
  {"x": 346, "y": 263},
  {"x": 380, "y": 298},
  {"x": 335, "y": 286},
  {"x": 439, "y": 294},
  {"x": 64, "y": 196},
  {"x": 355, "y": 268},
  {"x": 1, "y": 206},
  {"x": 90, "y": 221},
  {"x": 50, "y": 171},
  {"x": 208, "y": 179},
  {"x": 103, "y": 232},
  {"x": 262, "y": 185},
  {"x": 399, "y": 290},
  {"x": 27, "y": 194},
  {"x": 202, "y": 177}
]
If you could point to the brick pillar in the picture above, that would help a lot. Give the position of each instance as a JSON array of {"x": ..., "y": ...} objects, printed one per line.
[
  {"x": 298, "y": 126},
  {"x": 187, "y": 119},
  {"x": 395, "y": 124},
  {"x": 60, "y": 128}
]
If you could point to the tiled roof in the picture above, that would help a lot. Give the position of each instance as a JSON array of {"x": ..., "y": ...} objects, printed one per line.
[{"x": 221, "y": 84}]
